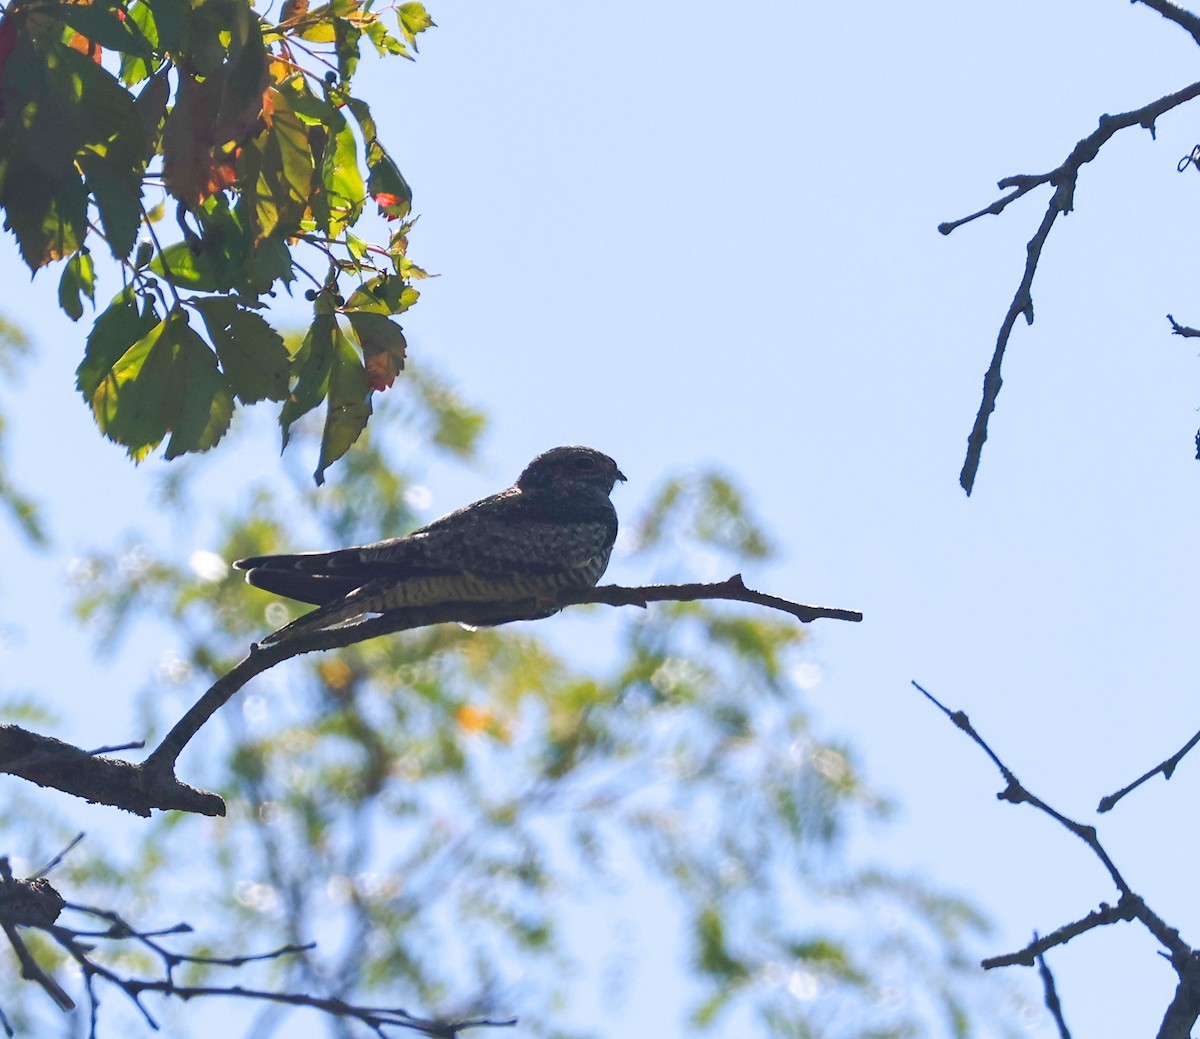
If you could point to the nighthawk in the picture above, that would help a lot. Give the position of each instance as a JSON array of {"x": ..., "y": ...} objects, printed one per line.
[{"x": 552, "y": 530}]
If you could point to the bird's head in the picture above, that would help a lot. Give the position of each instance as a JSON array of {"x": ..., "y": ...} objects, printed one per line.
[{"x": 571, "y": 469}]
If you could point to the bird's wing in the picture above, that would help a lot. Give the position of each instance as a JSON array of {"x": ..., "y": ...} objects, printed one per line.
[
  {"x": 500, "y": 535},
  {"x": 317, "y": 589}
]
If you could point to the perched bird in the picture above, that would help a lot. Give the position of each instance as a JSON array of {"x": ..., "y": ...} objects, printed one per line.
[{"x": 552, "y": 530}]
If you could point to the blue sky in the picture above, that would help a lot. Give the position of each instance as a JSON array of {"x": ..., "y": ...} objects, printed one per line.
[{"x": 690, "y": 234}]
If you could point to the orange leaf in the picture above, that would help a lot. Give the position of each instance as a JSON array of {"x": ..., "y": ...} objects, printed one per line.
[{"x": 473, "y": 719}]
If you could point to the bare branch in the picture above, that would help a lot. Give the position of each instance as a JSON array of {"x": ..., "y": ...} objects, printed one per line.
[
  {"x": 266, "y": 655},
  {"x": 1050, "y": 997},
  {"x": 1032, "y": 953},
  {"x": 79, "y": 945},
  {"x": 1175, "y": 13},
  {"x": 1182, "y": 330},
  {"x": 1166, "y": 768},
  {"x": 30, "y": 903},
  {"x": 52, "y": 763},
  {"x": 49, "y": 762},
  {"x": 140, "y": 788},
  {"x": 1184, "y": 1010},
  {"x": 1064, "y": 178},
  {"x": 1131, "y": 905}
]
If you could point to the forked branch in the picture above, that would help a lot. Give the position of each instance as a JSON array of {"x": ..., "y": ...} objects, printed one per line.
[
  {"x": 140, "y": 788},
  {"x": 1063, "y": 178}
]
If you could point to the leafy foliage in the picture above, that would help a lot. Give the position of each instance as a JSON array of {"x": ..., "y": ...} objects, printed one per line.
[
  {"x": 262, "y": 148},
  {"x": 23, "y": 509},
  {"x": 439, "y": 807}
]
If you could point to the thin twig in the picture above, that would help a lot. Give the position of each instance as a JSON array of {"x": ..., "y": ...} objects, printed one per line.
[
  {"x": 79, "y": 945},
  {"x": 1050, "y": 997},
  {"x": 71, "y": 845},
  {"x": 1165, "y": 768},
  {"x": 1182, "y": 330},
  {"x": 1105, "y": 914}
]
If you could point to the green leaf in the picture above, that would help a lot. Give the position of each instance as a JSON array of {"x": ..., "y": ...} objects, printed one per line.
[
  {"x": 349, "y": 404},
  {"x": 105, "y": 24},
  {"x": 385, "y": 294},
  {"x": 712, "y": 954},
  {"x": 127, "y": 404},
  {"x": 167, "y": 382},
  {"x": 78, "y": 279},
  {"x": 186, "y": 267},
  {"x": 151, "y": 105},
  {"x": 389, "y": 189},
  {"x": 342, "y": 180},
  {"x": 136, "y": 67},
  {"x": 198, "y": 403},
  {"x": 271, "y": 262},
  {"x": 314, "y": 360},
  {"x": 246, "y": 75},
  {"x": 346, "y": 33},
  {"x": 385, "y": 183},
  {"x": 120, "y": 326},
  {"x": 384, "y": 41},
  {"x": 170, "y": 21},
  {"x": 252, "y": 354},
  {"x": 284, "y": 170},
  {"x": 219, "y": 260},
  {"x": 118, "y": 195},
  {"x": 73, "y": 115},
  {"x": 312, "y": 109},
  {"x": 413, "y": 19}
]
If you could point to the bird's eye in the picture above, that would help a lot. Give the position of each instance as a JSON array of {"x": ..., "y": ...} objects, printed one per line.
[{"x": 585, "y": 463}]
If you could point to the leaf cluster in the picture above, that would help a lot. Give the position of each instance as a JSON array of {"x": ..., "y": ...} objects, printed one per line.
[{"x": 251, "y": 136}]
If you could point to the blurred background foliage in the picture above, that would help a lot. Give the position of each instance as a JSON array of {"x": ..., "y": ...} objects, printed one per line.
[{"x": 477, "y": 822}]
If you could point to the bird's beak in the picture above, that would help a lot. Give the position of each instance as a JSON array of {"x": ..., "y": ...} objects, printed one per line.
[{"x": 621, "y": 476}]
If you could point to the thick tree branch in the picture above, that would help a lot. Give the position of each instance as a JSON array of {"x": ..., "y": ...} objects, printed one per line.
[
  {"x": 96, "y": 778},
  {"x": 1181, "y": 1015},
  {"x": 1062, "y": 201},
  {"x": 30, "y": 903},
  {"x": 1175, "y": 13}
]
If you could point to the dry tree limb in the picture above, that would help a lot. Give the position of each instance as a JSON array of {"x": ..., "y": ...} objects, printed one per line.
[
  {"x": 264, "y": 656},
  {"x": 30, "y": 903},
  {"x": 97, "y": 778},
  {"x": 142, "y": 787},
  {"x": 1184, "y": 1009},
  {"x": 1063, "y": 178}
]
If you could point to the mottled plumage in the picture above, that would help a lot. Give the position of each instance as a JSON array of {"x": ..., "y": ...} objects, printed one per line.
[{"x": 552, "y": 530}]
